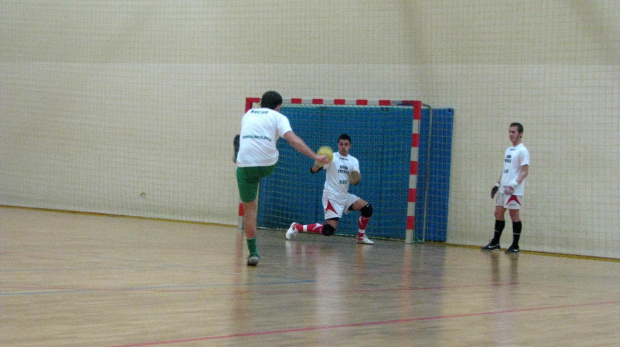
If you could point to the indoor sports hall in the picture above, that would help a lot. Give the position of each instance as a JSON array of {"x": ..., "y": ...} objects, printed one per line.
[{"x": 120, "y": 215}]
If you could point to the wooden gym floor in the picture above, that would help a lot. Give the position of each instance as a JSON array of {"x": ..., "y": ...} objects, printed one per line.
[{"x": 70, "y": 279}]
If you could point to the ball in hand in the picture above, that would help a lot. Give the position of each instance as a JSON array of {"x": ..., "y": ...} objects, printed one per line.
[{"x": 326, "y": 151}]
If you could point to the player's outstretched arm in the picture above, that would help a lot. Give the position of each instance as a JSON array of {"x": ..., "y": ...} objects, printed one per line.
[{"x": 299, "y": 144}]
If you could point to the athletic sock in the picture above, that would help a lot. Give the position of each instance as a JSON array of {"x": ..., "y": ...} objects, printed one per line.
[
  {"x": 499, "y": 227},
  {"x": 316, "y": 228},
  {"x": 362, "y": 222},
  {"x": 252, "y": 246},
  {"x": 516, "y": 233}
]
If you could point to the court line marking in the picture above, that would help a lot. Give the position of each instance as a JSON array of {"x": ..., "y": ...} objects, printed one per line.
[
  {"x": 152, "y": 288},
  {"x": 352, "y": 325},
  {"x": 184, "y": 288}
]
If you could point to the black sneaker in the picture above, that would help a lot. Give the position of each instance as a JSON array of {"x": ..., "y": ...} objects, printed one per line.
[
  {"x": 513, "y": 249},
  {"x": 491, "y": 246}
]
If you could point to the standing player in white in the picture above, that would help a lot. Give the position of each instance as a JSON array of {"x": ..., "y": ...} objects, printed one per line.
[
  {"x": 337, "y": 200},
  {"x": 257, "y": 157},
  {"x": 511, "y": 186}
]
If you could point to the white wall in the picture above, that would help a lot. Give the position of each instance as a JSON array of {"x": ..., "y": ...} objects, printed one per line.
[{"x": 103, "y": 101}]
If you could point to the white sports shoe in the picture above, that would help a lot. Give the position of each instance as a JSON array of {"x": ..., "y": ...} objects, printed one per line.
[
  {"x": 365, "y": 240},
  {"x": 253, "y": 260},
  {"x": 291, "y": 232}
]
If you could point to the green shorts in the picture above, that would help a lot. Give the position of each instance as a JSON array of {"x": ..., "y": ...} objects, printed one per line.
[{"x": 248, "y": 179}]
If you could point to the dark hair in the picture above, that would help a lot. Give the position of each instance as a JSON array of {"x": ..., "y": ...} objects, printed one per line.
[
  {"x": 518, "y": 125},
  {"x": 271, "y": 100},
  {"x": 345, "y": 137}
]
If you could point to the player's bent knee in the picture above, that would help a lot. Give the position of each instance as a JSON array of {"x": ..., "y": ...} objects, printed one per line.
[
  {"x": 328, "y": 230},
  {"x": 366, "y": 211}
]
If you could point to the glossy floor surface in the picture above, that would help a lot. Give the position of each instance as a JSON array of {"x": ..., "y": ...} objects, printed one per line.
[{"x": 70, "y": 279}]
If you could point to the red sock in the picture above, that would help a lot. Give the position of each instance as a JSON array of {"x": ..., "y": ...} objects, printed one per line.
[
  {"x": 315, "y": 228},
  {"x": 362, "y": 222}
]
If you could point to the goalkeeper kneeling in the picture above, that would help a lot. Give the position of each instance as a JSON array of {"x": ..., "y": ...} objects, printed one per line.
[{"x": 343, "y": 170}]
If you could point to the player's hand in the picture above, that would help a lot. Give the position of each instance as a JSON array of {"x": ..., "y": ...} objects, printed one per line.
[
  {"x": 510, "y": 189},
  {"x": 321, "y": 160},
  {"x": 494, "y": 190},
  {"x": 236, "y": 147},
  {"x": 355, "y": 177}
]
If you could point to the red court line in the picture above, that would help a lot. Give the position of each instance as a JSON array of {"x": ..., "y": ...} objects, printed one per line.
[
  {"x": 393, "y": 321},
  {"x": 33, "y": 290},
  {"x": 385, "y": 290}
]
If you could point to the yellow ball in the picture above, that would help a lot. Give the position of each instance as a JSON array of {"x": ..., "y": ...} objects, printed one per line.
[{"x": 326, "y": 150}]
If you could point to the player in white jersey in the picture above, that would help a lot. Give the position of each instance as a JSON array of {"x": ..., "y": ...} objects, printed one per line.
[
  {"x": 257, "y": 156},
  {"x": 510, "y": 188},
  {"x": 342, "y": 170}
]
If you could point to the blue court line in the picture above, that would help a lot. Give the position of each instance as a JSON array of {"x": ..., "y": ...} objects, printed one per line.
[{"x": 153, "y": 288}]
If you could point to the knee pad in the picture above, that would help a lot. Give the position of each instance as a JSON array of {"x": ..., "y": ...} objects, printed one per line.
[
  {"x": 328, "y": 230},
  {"x": 366, "y": 211}
]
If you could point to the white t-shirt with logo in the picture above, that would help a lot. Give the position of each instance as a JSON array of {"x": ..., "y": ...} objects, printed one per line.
[
  {"x": 336, "y": 177},
  {"x": 260, "y": 130},
  {"x": 514, "y": 159}
]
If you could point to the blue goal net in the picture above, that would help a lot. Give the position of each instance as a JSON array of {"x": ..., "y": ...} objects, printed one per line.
[{"x": 381, "y": 141}]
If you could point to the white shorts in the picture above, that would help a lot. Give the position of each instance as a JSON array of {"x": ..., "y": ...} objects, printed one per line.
[
  {"x": 511, "y": 202},
  {"x": 335, "y": 206}
]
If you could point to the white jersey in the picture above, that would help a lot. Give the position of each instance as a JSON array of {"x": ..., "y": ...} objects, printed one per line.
[
  {"x": 515, "y": 158},
  {"x": 260, "y": 130},
  {"x": 337, "y": 174}
]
